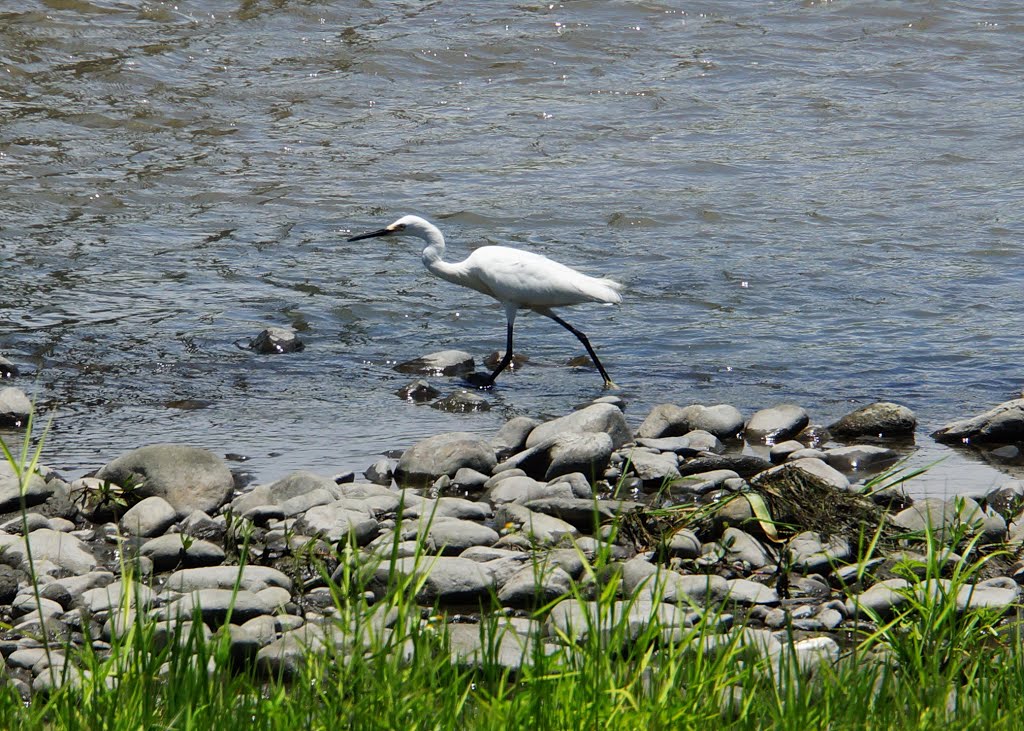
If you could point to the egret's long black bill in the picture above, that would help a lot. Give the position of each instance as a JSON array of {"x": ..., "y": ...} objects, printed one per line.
[{"x": 372, "y": 234}]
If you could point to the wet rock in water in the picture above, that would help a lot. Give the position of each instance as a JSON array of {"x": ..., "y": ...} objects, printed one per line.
[
  {"x": 669, "y": 420},
  {"x": 15, "y": 407},
  {"x": 462, "y": 402},
  {"x": 277, "y": 340},
  {"x": 882, "y": 420},
  {"x": 518, "y": 360},
  {"x": 703, "y": 441},
  {"x": 595, "y": 418},
  {"x": 860, "y": 457},
  {"x": 148, "y": 518},
  {"x": 380, "y": 472},
  {"x": 441, "y": 363},
  {"x": 418, "y": 391},
  {"x": 444, "y": 454},
  {"x": 511, "y": 437},
  {"x": 775, "y": 424},
  {"x": 7, "y": 368},
  {"x": 1004, "y": 423},
  {"x": 187, "y": 477},
  {"x": 781, "y": 451}
]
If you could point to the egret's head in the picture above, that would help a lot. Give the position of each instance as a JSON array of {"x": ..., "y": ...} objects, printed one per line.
[{"x": 408, "y": 225}]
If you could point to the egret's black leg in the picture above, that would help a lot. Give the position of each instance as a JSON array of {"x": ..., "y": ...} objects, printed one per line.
[
  {"x": 608, "y": 383},
  {"x": 488, "y": 381}
]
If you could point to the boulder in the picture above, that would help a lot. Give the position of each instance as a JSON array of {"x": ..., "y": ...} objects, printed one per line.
[
  {"x": 881, "y": 420},
  {"x": 1004, "y": 423},
  {"x": 444, "y": 454},
  {"x": 186, "y": 477},
  {"x": 593, "y": 419}
]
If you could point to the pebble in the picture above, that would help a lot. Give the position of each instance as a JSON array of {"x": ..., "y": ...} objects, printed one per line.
[{"x": 596, "y": 418}]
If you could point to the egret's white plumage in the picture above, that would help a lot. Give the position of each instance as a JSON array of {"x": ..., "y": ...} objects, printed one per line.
[{"x": 519, "y": 280}]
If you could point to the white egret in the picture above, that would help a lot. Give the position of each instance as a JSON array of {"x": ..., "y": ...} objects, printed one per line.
[{"x": 519, "y": 280}]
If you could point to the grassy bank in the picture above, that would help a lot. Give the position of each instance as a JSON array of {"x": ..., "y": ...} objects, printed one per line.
[{"x": 383, "y": 661}]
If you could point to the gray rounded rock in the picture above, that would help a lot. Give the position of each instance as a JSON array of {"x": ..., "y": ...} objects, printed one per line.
[
  {"x": 149, "y": 518},
  {"x": 251, "y": 578},
  {"x": 668, "y": 420},
  {"x": 15, "y": 407},
  {"x": 595, "y": 418},
  {"x": 178, "y": 550},
  {"x": 882, "y": 419},
  {"x": 216, "y": 605},
  {"x": 1004, "y": 423},
  {"x": 444, "y": 454},
  {"x": 336, "y": 522},
  {"x": 445, "y": 579},
  {"x": 570, "y": 453},
  {"x": 511, "y": 437},
  {"x": 61, "y": 550},
  {"x": 187, "y": 477},
  {"x": 776, "y": 424},
  {"x": 860, "y": 457}
]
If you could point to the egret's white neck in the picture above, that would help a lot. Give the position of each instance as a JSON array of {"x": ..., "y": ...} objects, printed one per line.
[{"x": 433, "y": 257}]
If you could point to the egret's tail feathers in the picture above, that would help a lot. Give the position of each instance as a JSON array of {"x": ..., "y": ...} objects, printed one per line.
[{"x": 609, "y": 290}]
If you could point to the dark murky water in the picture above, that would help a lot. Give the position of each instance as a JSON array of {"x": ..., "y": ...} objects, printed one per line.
[{"x": 813, "y": 202}]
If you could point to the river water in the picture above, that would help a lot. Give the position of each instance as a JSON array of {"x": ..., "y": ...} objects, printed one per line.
[{"x": 808, "y": 202}]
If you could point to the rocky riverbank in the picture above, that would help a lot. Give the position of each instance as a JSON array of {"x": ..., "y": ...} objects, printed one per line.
[{"x": 764, "y": 523}]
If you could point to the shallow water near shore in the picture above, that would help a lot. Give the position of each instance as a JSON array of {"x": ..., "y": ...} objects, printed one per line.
[{"x": 814, "y": 203}]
